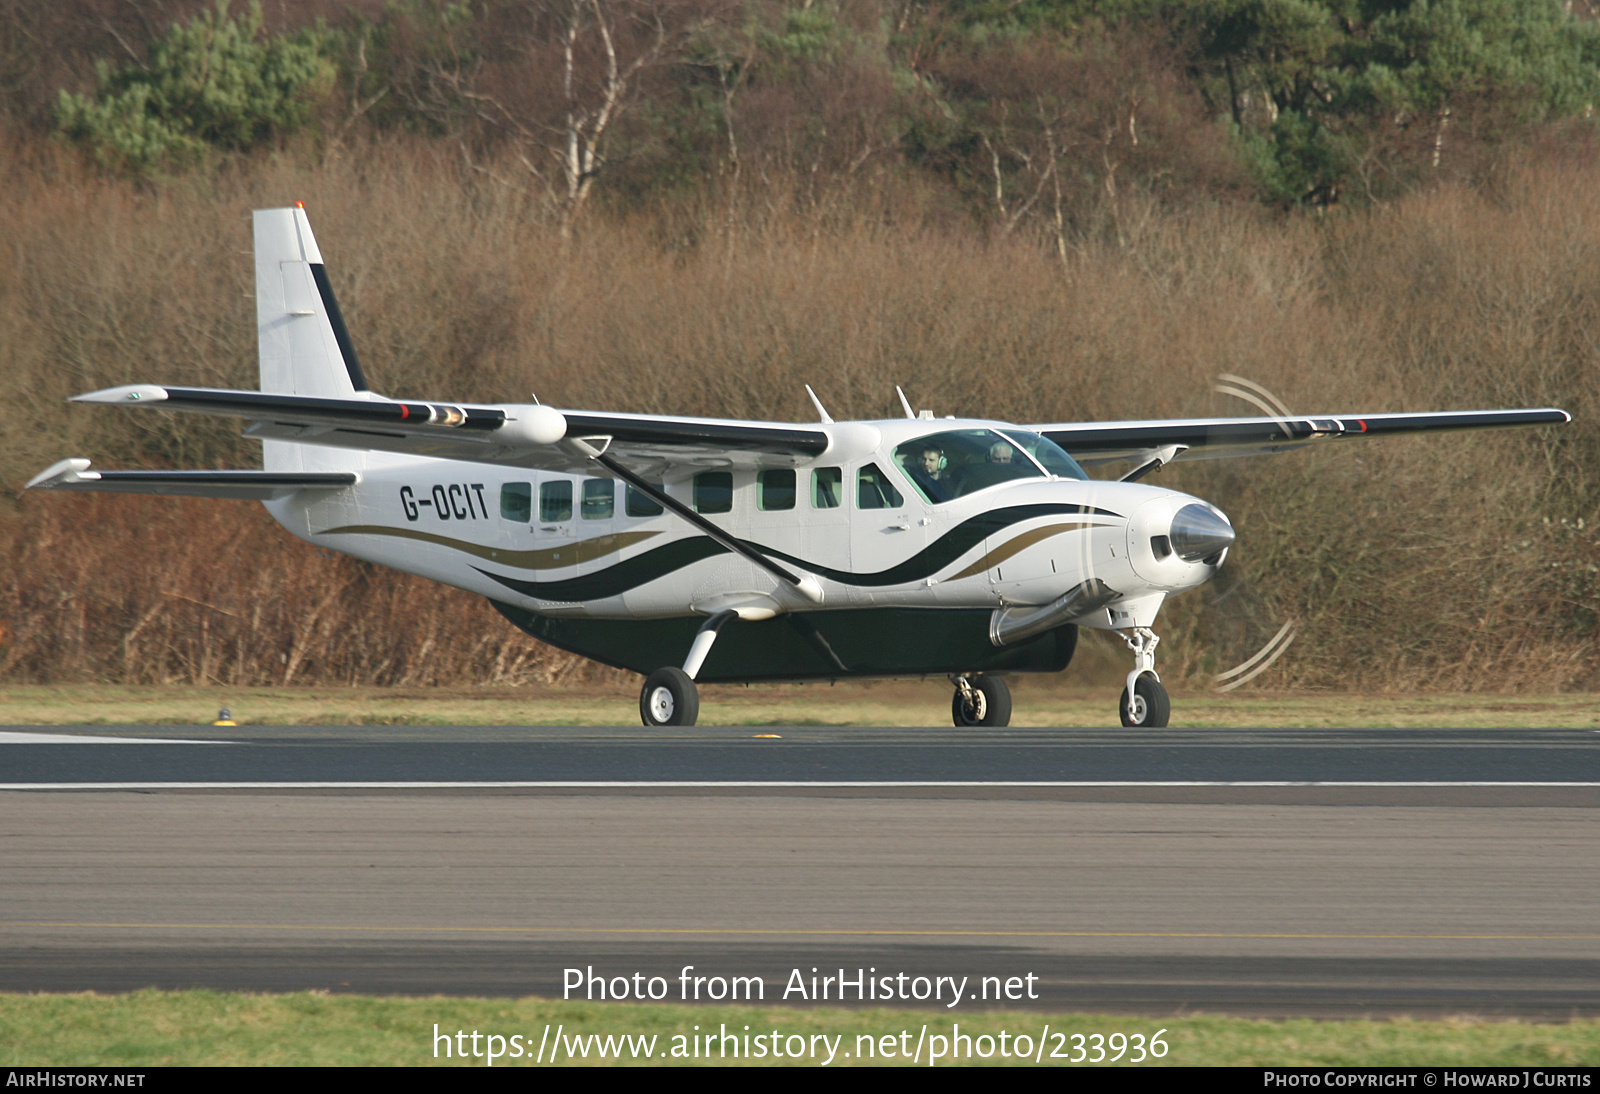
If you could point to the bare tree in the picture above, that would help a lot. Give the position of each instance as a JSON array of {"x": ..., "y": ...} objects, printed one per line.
[
  {"x": 581, "y": 65},
  {"x": 1059, "y": 131}
]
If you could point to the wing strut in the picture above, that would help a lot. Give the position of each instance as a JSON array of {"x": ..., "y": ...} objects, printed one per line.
[
  {"x": 1159, "y": 458},
  {"x": 805, "y": 586}
]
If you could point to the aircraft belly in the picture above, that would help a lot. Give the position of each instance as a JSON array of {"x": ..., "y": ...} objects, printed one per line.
[{"x": 808, "y": 645}]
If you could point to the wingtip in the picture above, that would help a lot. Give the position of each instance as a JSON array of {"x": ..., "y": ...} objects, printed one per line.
[
  {"x": 128, "y": 393},
  {"x": 61, "y": 473}
]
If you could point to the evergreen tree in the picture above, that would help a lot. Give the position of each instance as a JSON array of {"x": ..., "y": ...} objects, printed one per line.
[{"x": 215, "y": 82}]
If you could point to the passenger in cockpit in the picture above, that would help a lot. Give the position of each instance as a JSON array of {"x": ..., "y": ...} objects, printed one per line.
[{"x": 998, "y": 468}]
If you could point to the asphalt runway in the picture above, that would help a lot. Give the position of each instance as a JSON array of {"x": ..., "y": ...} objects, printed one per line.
[
  {"x": 701, "y": 756},
  {"x": 1150, "y": 872}
]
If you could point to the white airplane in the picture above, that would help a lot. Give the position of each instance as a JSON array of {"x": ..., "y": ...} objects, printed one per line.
[{"x": 695, "y": 549}]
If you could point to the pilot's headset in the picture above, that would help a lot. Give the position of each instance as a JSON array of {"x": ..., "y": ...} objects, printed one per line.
[{"x": 944, "y": 461}]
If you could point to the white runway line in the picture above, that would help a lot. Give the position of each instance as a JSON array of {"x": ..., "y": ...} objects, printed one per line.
[
  {"x": 745, "y": 784},
  {"x": 7, "y": 737}
]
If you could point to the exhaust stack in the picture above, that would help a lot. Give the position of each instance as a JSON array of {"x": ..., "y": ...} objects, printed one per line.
[{"x": 1011, "y": 625}]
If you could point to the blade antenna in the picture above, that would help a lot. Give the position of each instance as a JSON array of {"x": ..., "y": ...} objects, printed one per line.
[
  {"x": 904, "y": 401},
  {"x": 827, "y": 419}
]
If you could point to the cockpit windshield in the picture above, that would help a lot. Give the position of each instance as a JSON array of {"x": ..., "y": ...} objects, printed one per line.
[
  {"x": 945, "y": 466},
  {"x": 1051, "y": 456}
]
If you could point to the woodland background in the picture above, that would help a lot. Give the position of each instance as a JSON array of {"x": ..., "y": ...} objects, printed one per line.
[{"x": 1032, "y": 210}]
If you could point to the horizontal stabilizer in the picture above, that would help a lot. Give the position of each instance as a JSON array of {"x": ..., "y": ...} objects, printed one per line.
[{"x": 74, "y": 474}]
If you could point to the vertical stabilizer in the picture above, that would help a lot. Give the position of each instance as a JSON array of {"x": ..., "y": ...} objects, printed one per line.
[{"x": 305, "y": 348}]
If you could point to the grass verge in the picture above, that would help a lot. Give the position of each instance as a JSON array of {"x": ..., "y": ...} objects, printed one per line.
[
  {"x": 883, "y": 703},
  {"x": 156, "y": 1028}
]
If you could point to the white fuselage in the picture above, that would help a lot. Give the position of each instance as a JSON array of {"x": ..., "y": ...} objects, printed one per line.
[{"x": 563, "y": 544}]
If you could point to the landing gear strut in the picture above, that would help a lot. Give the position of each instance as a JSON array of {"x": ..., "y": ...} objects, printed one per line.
[
  {"x": 980, "y": 701},
  {"x": 669, "y": 697},
  {"x": 1144, "y": 700}
]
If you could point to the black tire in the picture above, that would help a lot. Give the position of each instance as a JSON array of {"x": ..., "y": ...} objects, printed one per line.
[
  {"x": 1152, "y": 707},
  {"x": 669, "y": 698},
  {"x": 991, "y": 705}
]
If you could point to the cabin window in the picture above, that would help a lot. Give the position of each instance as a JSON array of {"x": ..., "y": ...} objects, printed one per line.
[
  {"x": 516, "y": 501},
  {"x": 875, "y": 491},
  {"x": 775, "y": 490},
  {"x": 555, "y": 501},
  {"x": 640, "y": 504},
  {"x": 827, "y": 486},
  {"x": 599, "y": 499},
  {"x": 713, "y": 492}
]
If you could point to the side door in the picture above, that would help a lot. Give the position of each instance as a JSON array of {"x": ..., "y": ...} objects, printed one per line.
[
  {"x": 515, "y": 509},
  {"x": 599, "y": 518},
  {"x": 777, "y": 520},
  {"x": 554, "y": 519},
  {"x": 823, "y": 515},
  {"x": 888, "y": 529}
]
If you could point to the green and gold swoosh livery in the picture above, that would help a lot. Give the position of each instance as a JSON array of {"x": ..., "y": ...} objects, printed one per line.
[
  {"x": 1018, "y": 544},
  {"x": 674, "y": 555},
  {"x": 551, "y": 558}
]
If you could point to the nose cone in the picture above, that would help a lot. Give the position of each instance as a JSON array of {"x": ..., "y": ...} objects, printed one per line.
[{"x": 1198, "y": 532}]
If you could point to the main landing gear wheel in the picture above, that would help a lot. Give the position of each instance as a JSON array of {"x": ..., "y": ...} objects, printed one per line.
[
  {"x": 981, "y": 701},
  {"x": 1150, "y": 705},
  {"x": 669, "y": 698}
]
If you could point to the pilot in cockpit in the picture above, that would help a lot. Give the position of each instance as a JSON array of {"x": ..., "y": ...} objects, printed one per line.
[{"x": 929, "y": 473}]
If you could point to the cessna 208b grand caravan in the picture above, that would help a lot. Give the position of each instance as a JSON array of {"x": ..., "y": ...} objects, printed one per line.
[{"x": 692, "y": 549}]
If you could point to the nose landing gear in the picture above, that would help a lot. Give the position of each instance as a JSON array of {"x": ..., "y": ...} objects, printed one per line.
[
  {"x": 1144, "y": 700},
  {"x": 980, "y": 701}
]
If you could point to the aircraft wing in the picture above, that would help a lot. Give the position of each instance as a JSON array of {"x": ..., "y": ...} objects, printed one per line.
[
  {"x": 1093, "y": 443},
  {"x": 74, "y": 474},
  {"x": 509, "y": 435}
]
